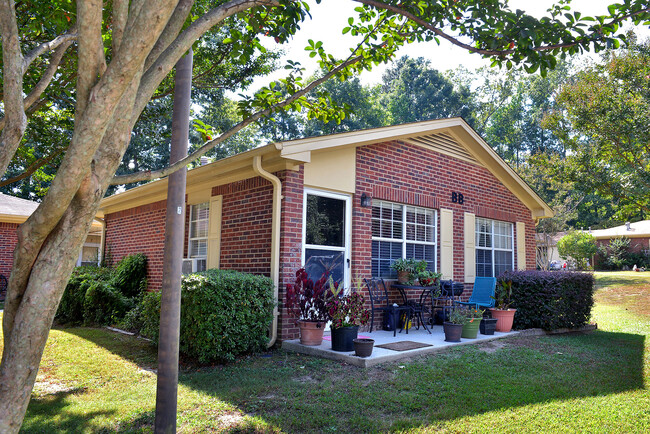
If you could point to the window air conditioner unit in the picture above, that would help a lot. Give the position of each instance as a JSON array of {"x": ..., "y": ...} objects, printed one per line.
[{"x": 192, "y": 265}]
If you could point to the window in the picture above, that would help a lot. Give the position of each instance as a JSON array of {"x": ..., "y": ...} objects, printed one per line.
[
  {"x": 494, "y": 247},
  {"x": 401, "y": 231},
  {"x": 198, "y": 235}
]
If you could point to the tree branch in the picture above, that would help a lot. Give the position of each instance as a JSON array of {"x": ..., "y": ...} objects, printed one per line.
[
  {"x": 120, "y": 17},
  {"x": 173, "y": 28},
  {"x": 168, "y": 58},
  {"x": 150, "y": 175},
  {"x": 66, "y": 38},
  {"x": 12, "y": 59},
  {"x": 398, "y": 10},
  {"x": 31, "y": 169}
]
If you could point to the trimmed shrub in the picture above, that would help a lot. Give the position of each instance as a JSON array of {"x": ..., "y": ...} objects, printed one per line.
[
  {"x": 130, "y": 276},
  {"x": 71, "y": 307},
  {"x": 551, "y": 300},
  {"x": 223, "y": 314},
  {"x": 103, "y": 304}
]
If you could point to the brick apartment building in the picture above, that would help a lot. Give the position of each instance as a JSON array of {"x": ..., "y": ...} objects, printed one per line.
[
  {"x": 14, "y": 211},
  {"x": 350, "y": 202}
]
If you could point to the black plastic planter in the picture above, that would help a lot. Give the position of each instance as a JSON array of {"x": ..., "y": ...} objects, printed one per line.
[
  {"x": 343, "y": 338},
  {"x": 488, "y": 326}
]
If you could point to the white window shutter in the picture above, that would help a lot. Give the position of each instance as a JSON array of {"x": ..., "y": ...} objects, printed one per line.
[
  {"x": 521, "y": 246},
  {"x": 470, "y": 247},
  {"x": 447, "y": 243},
  {"x": 214, "y": 232}
]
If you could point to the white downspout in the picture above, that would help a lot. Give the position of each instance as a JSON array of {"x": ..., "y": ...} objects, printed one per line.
[
  {"x": 275, "y": 240},
  {"x": 102, "y": 240}
]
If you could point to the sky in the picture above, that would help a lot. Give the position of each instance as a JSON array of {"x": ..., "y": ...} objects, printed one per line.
[{"x": 330, "y": 17}]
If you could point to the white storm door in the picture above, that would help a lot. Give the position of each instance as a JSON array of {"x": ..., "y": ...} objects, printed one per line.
[{"x": 327, "y": 227}]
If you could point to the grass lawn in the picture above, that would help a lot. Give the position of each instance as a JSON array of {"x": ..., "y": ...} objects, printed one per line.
[{"x": 92, "y": 380}]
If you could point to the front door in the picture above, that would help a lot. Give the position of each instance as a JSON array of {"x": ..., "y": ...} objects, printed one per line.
[{"x": 326, "y": 235}]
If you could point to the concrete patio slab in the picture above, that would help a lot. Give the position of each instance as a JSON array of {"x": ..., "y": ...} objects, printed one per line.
[{"x": 436, "y": 340}]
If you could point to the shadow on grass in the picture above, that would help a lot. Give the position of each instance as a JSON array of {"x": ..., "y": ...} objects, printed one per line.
[
  {"x": 50, "y": 413},
  {"x": 609, "y": 279},
  {"x": 296, "y": 393}
]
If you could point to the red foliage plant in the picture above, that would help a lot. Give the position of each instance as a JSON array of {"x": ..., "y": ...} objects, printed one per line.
[{"x": 306, "y": 300}]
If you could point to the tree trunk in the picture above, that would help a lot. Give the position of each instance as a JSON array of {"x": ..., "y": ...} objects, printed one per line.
[{"x": 170, "y": 306}]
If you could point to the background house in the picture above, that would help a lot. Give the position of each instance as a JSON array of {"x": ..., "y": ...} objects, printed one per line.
[
  {"x": 351, "y": 203},
  {"x": 14, "y": 211}
]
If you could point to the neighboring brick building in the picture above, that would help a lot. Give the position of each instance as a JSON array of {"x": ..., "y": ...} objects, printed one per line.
[
  {"x": 353, "y": 202},
  {"x": 14, "y": 211},
  {"x": 637, "y": 232}
]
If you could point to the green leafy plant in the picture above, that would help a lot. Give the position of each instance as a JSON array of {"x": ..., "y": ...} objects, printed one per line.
[
  {"x": 346, "y": 310},
  {"x": 578, "y": 245},
  {"x": 503, "y": 295},
  {"x": 130, "y": 276},
  {"x": 429, "y": 278},
  {"x": 458, "y": 316},
  {"x": 410, "y": 265}
]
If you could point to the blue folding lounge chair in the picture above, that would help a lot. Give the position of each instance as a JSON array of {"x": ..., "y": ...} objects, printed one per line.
[{"x": 482, "y": 294}]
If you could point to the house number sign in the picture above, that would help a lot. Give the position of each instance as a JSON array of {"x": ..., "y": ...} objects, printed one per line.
[{"x": 457, "y": 197}]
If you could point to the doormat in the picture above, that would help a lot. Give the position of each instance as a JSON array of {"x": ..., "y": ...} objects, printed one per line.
[
  {"x": 403, "y": 346},
  {"x": 329, "y": 338}
]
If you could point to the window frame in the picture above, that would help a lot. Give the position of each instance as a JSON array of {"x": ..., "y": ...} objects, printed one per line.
[
  {"x": 190, "y": 238},
  {"x": 494, "y": 249},
  {"x": 403, "y": 240}
]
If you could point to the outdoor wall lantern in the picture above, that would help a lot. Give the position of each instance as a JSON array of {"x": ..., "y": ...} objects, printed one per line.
[{"x": 366, "y": 201}]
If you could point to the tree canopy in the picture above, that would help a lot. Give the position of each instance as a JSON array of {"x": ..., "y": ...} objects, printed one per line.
[{"x": 603, "y": 118}]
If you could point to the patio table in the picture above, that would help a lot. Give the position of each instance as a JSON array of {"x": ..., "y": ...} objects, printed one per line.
[{"x": 416, "y": 303}]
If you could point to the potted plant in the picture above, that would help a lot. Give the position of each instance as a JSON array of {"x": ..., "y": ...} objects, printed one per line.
[
  {"x": 472, "y": 322},
  {"x": 488, "y": 324},
  {"x": 347, "y": 313},
  {"x": 453, "y": 327},
  {"x": 502, "y": 312},
  {"x": 306, "y": 301},
  {"x": 408, "y": 269},
  {"x": 429, "y": 278}
]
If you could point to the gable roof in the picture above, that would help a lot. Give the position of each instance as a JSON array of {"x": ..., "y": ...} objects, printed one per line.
[
  {"x": 451, "y": 136},
  {"x": 15, "y": 209},
  {"x": 637, "y": 230}
]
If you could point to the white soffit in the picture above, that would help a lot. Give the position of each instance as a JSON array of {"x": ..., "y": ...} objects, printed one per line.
[{"x": 444, "y": 144}]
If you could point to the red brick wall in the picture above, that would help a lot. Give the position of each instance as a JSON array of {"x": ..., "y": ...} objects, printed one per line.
[
  {"x": 636, "y": 244},
  {"x": 405, "y": 173},
  {"x": 139, "y": 230},
  {"x": 247, "y": 212},
  {"x": 8, "y": 241},
  {"x": 290, "y": 244}
]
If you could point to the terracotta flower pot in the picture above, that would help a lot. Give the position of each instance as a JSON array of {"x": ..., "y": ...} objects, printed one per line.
[
  {"x": 311, "y": 332},
  {"x": 363, "y": 347},
  {"x": 504, "y": 319}
]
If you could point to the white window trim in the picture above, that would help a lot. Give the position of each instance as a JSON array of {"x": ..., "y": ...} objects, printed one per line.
[
  {"x": 80, "y": 258},
  {"x": 403, "y": 240},
  {"x": 493, "y": 249},
  {"x": 189, "y": 233},
  {"x": 347, "y": 238}
]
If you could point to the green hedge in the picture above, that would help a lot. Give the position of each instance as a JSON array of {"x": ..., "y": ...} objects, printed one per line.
[
  {"x": 551, "y": 300},
  {"x": 101, "y": 295},
  {"x": 223, "y": 314},
  {"x": 130, "y": 276},
  {"x": 71, "y": 307}
]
